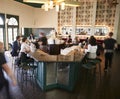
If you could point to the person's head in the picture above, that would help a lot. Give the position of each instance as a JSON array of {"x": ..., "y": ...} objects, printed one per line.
[
  {"x": 92, "y": 41},
  {"x": 110, "y": 34},
  {"x": 69, "y": 36},
  {"x": 1, "y": 47},
  {"x": 31, "y": 34},
  {"x": 41, "y": 34},
  {"x": 18, "y": 38},
  {"x": 24, "y": 39}
]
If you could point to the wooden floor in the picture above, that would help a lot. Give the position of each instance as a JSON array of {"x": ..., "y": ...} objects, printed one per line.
[{"x": 106, "y": 86}]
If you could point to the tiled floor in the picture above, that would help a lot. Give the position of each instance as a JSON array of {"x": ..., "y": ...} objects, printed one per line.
[{"x": 106, "y": 87}]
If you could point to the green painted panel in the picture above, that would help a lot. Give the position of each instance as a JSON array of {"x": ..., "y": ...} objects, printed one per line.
[
  {"x": 50, "y": 75},
  {"x": 30, "y": 4}
]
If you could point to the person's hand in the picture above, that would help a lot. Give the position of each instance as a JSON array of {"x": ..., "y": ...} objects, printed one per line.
[
  {"x": 85, "y": 47},
  {"x": 27, "y": 51}
]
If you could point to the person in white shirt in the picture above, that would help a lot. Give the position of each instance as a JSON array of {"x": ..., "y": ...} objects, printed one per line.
[
  {"x": 91, "y": 48},
  {"x": 25, "y": 48}
]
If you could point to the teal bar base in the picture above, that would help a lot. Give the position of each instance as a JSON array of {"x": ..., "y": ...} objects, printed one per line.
[{"x": 52, "y": 75}]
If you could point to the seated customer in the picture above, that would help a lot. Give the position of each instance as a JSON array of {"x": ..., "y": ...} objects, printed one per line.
[
  {"x": 91, "y": 48},
  {"x": 69, "y": 40},
  {"x": 43, "y": 38},
  {"x": 25, "y": 48},
  {"x": 16, "y": 47}
]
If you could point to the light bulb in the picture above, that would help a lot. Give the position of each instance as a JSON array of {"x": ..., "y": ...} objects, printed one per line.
[
  {"x": 57, "y": 8},
  {"x": 51, "y": 4},
  {"x": 62, "y": 5},
  {"x": 46, "y": 6}
]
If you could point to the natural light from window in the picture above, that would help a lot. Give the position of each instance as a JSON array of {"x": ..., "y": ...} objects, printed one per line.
[
  {"x": 1, "y": 29},
  {"x": 1, "y": 21},
  {"x": 12, "y": 29},
  {"x": 1, "y": 34},
  {"x": 12, "y": 21}
]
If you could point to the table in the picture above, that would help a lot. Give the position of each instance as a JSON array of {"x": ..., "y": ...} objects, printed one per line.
[{"x": 57, "y": 73}]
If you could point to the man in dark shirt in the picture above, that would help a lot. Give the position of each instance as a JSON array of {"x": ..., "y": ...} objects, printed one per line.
[
  {"x": 109, "y": 45},
  {"x": 16, "y": 47},
  {"x": 43, "y": 39},
  {"x": 5, "y": 67},
  {"x": 43, "y": 45}
]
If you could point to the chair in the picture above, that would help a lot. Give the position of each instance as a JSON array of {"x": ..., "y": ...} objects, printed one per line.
[
  {"x": 88, "y": 72},
  {"x": 91, "y": 65},
  {"x": 27, "y": 70},
  {"x": 96, "y": 61}
]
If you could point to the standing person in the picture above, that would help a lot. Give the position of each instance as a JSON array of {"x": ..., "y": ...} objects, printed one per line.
[
  {"x": 43, "y": 45},
  {"x": 4, "y": 67},
  {"x": 16, "y": 47},
  {"x": 109, "y": 44},
  {"x": 43, "y": 38}
]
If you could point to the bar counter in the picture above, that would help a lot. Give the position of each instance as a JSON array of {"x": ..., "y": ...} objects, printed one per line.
[{"x": 57, "y": 71}]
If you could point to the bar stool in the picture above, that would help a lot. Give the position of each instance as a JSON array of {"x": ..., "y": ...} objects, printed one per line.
[
  {"x": 33, "y": 65},
  {"x": 91, "y": 65},
  {"x": 96, "y": 61},
  {"x": 27, "y": 71}
]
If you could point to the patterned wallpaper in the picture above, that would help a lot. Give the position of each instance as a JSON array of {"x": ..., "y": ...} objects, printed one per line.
[{"x": 105, "y": 15}]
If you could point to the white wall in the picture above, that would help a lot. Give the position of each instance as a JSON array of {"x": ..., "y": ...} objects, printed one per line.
[
  {"x": 25, "y": 13},
  {"x": 28, "y": 16},
  {"x": 46, "y": 19}
]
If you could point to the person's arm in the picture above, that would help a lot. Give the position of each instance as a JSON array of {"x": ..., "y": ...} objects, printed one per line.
[
  {"x": 116, "y": 45},
  {"x": 87, "y": 48},
  {"x": 103, "y": 45},
  {"x": 10, "y": 74}
]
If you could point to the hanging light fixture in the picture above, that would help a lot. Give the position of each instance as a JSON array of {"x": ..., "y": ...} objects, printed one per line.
[
  {"x": 62, "y": 5},
  {"x": 46, "y": 6},
  {"x": 58, "y": 4},
  {"x": 57, "y": 8},
  {"x": 35, "y": 1},
  {"x": 51, "y": 4}
]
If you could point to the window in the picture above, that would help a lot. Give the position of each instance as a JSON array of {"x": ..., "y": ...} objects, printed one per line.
[
  {"x": 12, "y": 21},
  {"x": 1, "y": 27},
  {"x": 1, "y": 34},
  {"x": 1, "y": 21},
  {"x": 12, "y": 28}
]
